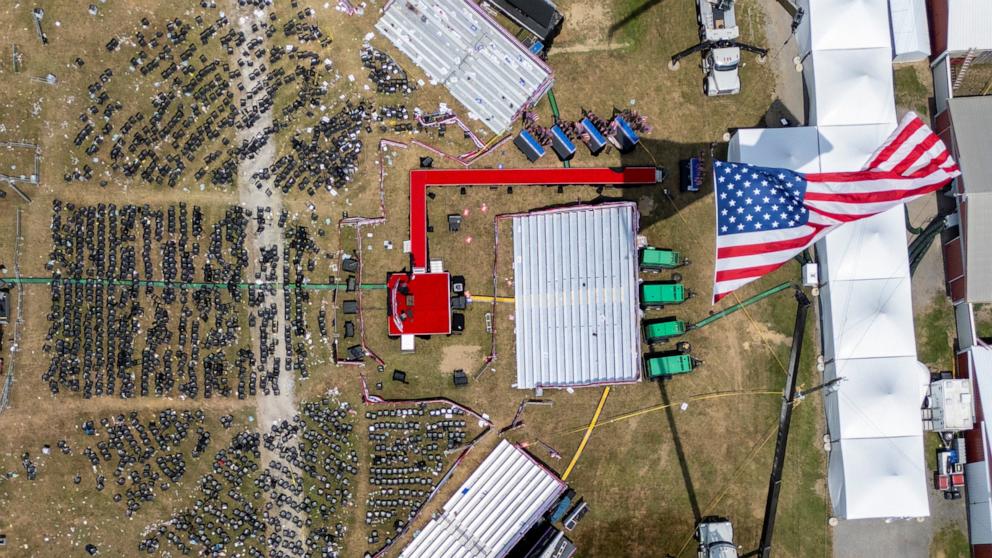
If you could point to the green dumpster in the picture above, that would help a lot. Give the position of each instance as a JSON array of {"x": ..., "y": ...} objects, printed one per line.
[
  {"x": 657, "y": 259},
  {"x": 655, "y": 294},
  {"x": 663, "y": 329},
  {"x": 668, "y": 364}
]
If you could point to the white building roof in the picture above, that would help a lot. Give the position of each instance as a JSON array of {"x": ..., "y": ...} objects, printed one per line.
[
  {"x": 489, "y": 513},
  {"x": 877, "y": 398},
  {"x": 878, "y": 477},
  {"x": 977, "y": 473},
  {"x": 575, "y": 296},
  {"x": 968, "y": 25},
  {"x": 460, "y": 46}
]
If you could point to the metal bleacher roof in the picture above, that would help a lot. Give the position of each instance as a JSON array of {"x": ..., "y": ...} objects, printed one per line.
[
  {"x": 492, "y": 510},
  {"x": 575, "y": 283}
]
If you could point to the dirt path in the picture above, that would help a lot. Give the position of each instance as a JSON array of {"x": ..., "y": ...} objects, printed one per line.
[
  {"x": 271, "y": 408},
  {"x": 782, "y": 49}
]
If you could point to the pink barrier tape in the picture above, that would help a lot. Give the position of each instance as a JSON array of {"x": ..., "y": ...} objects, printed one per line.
[{"x": 370, "y": 399}]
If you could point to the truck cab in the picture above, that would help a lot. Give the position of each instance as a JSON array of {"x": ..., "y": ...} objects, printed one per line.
[
  {"x": 716, "y": 538},
  {"x": 720, "y": 67}
]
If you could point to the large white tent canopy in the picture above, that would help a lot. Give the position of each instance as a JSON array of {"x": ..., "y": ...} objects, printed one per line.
[
  {"x": 875, "y": 398},
  {"x": 851, "y": 87},
  {"x": 846, "y": 148},
  {"x": 868, "y": 319},
  {"x": 873, "y": 477},
  {"x": 872, "y": 248},
  {"x": 790, "y": 148},
  {"x": 876, "y": 463},
  {"x": 848, "y": 24}
]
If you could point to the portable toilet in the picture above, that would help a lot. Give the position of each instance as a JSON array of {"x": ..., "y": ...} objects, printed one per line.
[
  {"x": 596, "y": 141},
  {"x": 625, "y": 135},
  {"x": 561, "y": 143},
  {"x": 529, "y": 146}
]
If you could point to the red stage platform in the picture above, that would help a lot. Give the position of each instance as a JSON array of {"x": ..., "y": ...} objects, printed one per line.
[
  {"x": 421, "y": 179},
  {"x": 419, "y": 304}
]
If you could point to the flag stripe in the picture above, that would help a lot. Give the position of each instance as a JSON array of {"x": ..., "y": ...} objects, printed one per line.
[
  {"x": 774, "y": 246},
  {"x": 895, "y": 143},
  {"x": 870, "y": 197},
  {"x": 919, "y": 150},
  {"x": 746, "y": 272}
]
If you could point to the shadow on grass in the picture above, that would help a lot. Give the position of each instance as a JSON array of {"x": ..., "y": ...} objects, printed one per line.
[
  {"x": 635, "y": 14},
  {"x": 690, "y": 489}
]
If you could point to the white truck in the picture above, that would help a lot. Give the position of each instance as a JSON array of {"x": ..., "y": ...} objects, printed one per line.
[
  {"x": 718, "y": 34},
  {"x": 716, "y": 538}
]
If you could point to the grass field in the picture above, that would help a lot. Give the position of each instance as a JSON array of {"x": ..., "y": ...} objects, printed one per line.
[{"x": 645, "y": 477}]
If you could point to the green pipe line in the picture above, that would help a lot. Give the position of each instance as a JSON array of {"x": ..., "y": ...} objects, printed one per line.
[
  {"x": 554, "y": 105},
  {"x": 909, "y": 225},
  {"x": 194, "y": 285},
  {"x": 728, "y": 311},
  {"x": 921, "y": 244}
]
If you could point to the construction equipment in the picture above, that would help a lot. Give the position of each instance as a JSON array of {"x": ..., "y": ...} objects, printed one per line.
[
  {"x": 657, "y": 259},
  {"x": 716, "y": 534},
  {"x": 718, "y": 34},
  {"x": 663, "y": 329},
  {"x": 662, "y": 366},
  {"x": 657, "y": 294},
  {"x": 716, "y": 538}
]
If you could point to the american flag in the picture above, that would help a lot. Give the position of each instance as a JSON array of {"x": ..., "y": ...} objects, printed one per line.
[{"x": 765, "y": 216}]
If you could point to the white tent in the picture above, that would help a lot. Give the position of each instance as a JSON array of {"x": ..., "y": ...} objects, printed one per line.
[
  {"x": 867, "y": 319},
  {"x": 910, "y": 32},
  {"x": 847, "y": 24},
  {"x": 850, "y": 87},
  {"x": 873, "y": 248},
  {"x": 876, "y": 463},
  {"x": 790, "y": 148},
  {"x": 877, "y": 398},
  {"x": 878, "y": 477},
  {"x": 846, "y": 148}
]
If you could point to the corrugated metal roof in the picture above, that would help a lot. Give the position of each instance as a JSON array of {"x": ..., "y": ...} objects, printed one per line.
[
  {"x": 972, "y": 121},
  {"x": 488, "y": 514},
  {"x": 575, "y": 280},
  {"x": 461, "y": 47},
  {"x": 968, "y": 24},
  {"x": 971, "y": 118}
]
